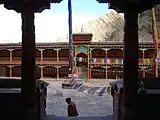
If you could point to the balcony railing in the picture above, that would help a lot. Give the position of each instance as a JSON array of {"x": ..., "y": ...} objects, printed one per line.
[
  {"x": 37, "y": 59},
  {"x": 18, "y": 62},
  {"x": 115, "y": 61},
  {"x": 63, "y": 58},
  {"x": 4, "y": 58},
  {"x": 49, "y": 58}
]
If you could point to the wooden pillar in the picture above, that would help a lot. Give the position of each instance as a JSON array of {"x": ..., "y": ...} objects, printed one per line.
[
  {"x": 41, "y": 71},
  {"x": 10, "y": 67},
  {"x": 57, "y": 73},
  {"x": 57, "y": 55},
  {"x": 41, "y": 63},
  {"x": 88, "y": 63},
  {"x": 90, "y": 57},
  {"x": 144, "y": 73},
  {"x": 28, "y": 62},
  {"x": 41, "y": 56},
  {"x": 75, "y": 62},
  {"x": 10, "y": 71},
  {"x": 130, "y": 64},
  {"x": 143, "y": 57},
  {"x": 106, "y": 64}
]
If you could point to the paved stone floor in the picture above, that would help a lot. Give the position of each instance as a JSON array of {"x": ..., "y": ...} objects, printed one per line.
[
  {"x": 50, "y": 117},
  {"x": 90, "y": 106}
]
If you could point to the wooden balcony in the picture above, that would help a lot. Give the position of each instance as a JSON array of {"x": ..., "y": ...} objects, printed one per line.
[
  {"x": 18, "y": 62},
  {"x": 119, "y": 61},
  {"x": 37, "y": 58}
]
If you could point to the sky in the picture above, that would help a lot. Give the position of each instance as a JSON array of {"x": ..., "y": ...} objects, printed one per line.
[{"x": 52, "y": 23}]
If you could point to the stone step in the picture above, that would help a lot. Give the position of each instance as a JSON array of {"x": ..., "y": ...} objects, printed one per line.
[{"x": 80, "y": 118}]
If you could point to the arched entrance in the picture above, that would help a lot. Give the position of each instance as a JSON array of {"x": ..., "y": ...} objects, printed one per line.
[
  {"x": 16, "y": 71},
  {"x": 63, "y": 55},
  {"x": 140, "y": 72},
  {"x": 98, "y": 73},
  {"x": 4, "y": 71},
  {"x": 63, "y": 72},
  {"x": 82, "y": 60},
  {"x": 5, "y": 55},
  {"x": 38, "y": 55},
  {"x": 149, "y": 53},
  {"x": 140, "y": 53},
  {"x": 38, "y": 72},
  {"x": 50, "y": 72},
  {"x": 49, "y": 55},
  {"x": 82, "y": 64},
  {"x": 16, "y": 54},
  {"x": 114, "y": 72},
  {"x": 115, "y": 53},
  {"x": 98, "y": 53},
  {"x": 149, "y": 72}
]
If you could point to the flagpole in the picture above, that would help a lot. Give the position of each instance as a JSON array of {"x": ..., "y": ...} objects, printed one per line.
[
  {"x": 70, "y": 34},
  {"x": 155, "y": 40}
]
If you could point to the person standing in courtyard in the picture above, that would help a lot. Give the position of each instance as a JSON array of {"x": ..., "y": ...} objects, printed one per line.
[{"x": 72, "y": 110}]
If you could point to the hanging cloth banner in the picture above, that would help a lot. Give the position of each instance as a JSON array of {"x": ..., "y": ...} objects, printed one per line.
[
  {"x": 109, "y": 61},
  {"x": 102, "y": 61},
  {"x": 116, "y": 61}
]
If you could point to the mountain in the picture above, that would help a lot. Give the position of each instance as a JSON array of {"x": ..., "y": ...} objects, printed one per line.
[{"x": 109, "y": 28}]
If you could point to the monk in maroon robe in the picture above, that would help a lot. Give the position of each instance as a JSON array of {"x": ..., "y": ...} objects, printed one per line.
[{"x": 72, "y": 110}]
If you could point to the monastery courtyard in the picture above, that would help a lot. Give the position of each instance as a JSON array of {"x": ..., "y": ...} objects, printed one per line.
[{"x": 90, "y": 106}]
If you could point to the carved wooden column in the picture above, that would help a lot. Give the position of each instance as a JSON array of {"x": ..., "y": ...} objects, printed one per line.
[
  {"x": 130, "y": 64},
  {"x": 75, "y": 62},
  {"x": 41, "y": 56},
  {"x": 106, "y": 63},
  {"x": 28, "y": 62},
  {"x": 90, "y": 56},
  {"x": 10, "y": 59},
  {"x": 42, "y": 71},
  {"x": 58, "y": 73},
  {"x": 88, "y": 60},
  {"x": 41, "y": 63},
  {"x": 143, "y": 50},
  {"x": 57, "y": 55}
]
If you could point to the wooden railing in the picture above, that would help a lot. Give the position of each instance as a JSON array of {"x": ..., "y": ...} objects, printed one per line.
[
  {"x": 49, "y": 58},
  {"x": 112, "y": 61},
  {"x": 37, "y": 62},
  {"x": 64, "y": 60}
]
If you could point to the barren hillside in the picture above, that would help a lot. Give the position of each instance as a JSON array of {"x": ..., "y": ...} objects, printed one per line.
[{"x": 110, "y": 27}]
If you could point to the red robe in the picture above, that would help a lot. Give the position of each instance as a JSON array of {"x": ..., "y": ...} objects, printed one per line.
[{"x": 72, "y": 110}]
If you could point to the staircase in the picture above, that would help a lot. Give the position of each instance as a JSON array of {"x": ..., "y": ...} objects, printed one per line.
[
  {"x": 80, "y": 118},
  {"x": 83, "y": 73}
]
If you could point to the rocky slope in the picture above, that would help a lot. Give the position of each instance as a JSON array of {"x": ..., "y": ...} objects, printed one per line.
[{"x": 109, "y": 27}]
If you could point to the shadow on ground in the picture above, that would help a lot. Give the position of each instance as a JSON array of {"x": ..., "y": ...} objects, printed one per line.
[{"x": 52, "y": 117}]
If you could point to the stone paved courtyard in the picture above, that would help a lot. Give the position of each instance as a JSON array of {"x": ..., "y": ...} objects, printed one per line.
[{"x": 87, "y": 104}]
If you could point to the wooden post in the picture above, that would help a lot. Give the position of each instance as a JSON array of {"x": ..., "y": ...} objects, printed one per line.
[
  {"x": 88, "y": 62},
  {"x": 130, "y": 64},
  {"x": 10, "y": 67},
  {"x": 106, "y": 64},
  {"x": 57, "y": 55},
  {"x": 75, "y": 62},
  {"x": 28, "y": 62},
  {"x": 10, "y": 71},
  {"x": 41, "y": 63},
  {"x": 41, "y": 56},
  {"x": 41, "y": 71},
  {"x": 90, "y": 69},
  {"x": 57, "y": 73}
]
